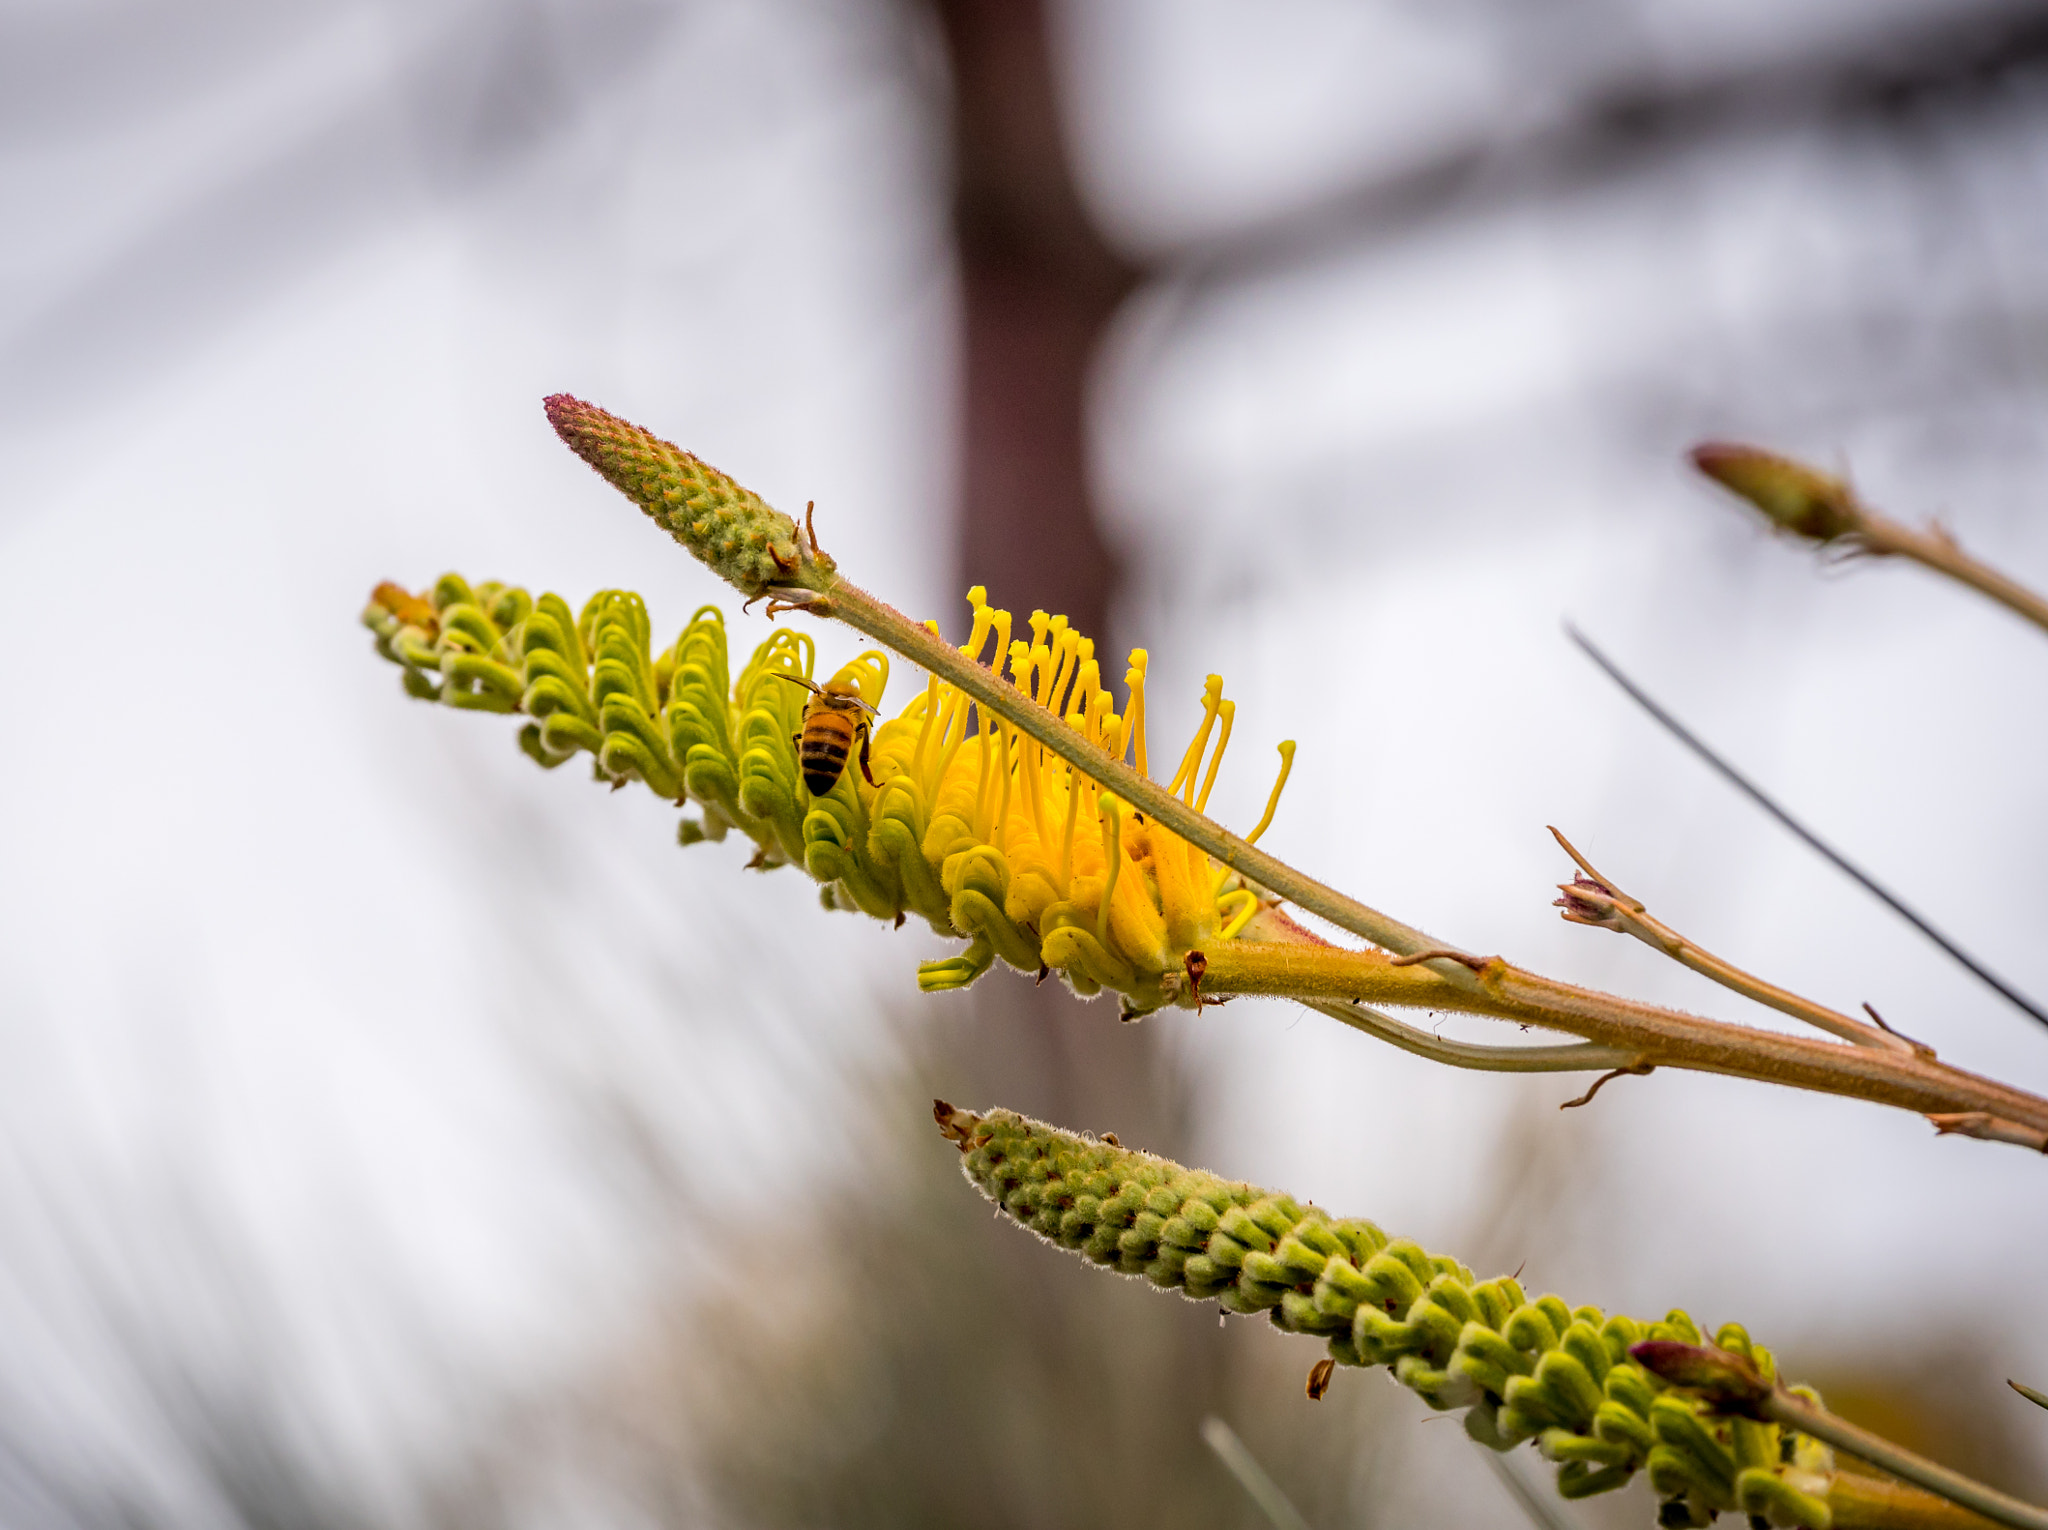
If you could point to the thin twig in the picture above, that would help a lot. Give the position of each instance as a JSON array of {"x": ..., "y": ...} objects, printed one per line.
[
  {"x": 1573, "y": 1057},
  {"x": 1594, "y": 899},
  {"x": 1606, "y": 1078},
  {"x": 1238, "y": 1460},
  {"x": 1880, "y": 535},
  {"x": 2039, "y": 1399},
  {"x": 1841, "y": 863}
]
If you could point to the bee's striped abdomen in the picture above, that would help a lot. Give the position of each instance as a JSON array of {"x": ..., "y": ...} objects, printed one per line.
[{"x": 822, "y": 750}]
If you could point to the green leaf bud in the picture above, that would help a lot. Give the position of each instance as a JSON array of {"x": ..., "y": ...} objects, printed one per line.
[{"x": 1792, "y": 496}]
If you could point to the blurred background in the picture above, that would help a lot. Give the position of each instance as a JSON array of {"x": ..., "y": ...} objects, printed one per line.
[{"x": 392, "y": 1134}]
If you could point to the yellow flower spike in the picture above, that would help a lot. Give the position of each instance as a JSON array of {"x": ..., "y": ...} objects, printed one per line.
[{"x": 970, "y": 820}]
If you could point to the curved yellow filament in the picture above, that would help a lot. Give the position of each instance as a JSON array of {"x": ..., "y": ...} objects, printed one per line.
[
  {"x": 1279, "y": 786},
  {"x": 1227, "y": 710},
  {"x": 1111, "y": 811},
  {"x": 1134, "y": 681}
]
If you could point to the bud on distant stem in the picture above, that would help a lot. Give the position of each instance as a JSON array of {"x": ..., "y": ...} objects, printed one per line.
[
  {"x": 737, "y": 534},
  {"x": 1795, "y": 497},
  {"x": 1726, "y": 1380}
]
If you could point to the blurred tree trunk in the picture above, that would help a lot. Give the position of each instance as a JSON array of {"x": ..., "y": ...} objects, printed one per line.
[{"x": 1038, "y": 285}]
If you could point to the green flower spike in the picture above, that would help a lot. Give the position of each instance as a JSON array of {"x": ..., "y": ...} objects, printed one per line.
[
  {"x": 742, "y": 538},
  {"x": 1522, "y": 1369}
]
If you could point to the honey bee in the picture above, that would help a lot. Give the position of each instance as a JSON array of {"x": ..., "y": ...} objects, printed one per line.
[{"x": 834, "y": 718}]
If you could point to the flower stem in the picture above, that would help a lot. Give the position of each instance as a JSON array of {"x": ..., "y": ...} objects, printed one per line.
[
  {"x": 1874, "y": 1503},
  {"x": 1783, "y": 1407},
  {"x": 1882, "y": 535},
  {"x": 1639, "y": 1033}
]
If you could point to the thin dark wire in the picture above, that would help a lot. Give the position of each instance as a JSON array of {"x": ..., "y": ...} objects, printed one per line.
[{"x": 1756, "y": 794}]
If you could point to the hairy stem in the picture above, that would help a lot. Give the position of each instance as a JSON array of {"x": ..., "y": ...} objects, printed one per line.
[
  {"x": 1875, "y": 1503},
  {"x": 1782, "y": 1407},
  {"x": 1640, "y": 1034}
]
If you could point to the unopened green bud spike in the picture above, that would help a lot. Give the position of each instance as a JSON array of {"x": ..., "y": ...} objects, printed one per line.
[
  {"x": 1524, "y": 1369},
  {"x": 737, "y": 534}
]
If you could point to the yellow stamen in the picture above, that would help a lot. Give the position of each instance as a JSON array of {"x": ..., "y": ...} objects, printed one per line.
[
  {"x": 1273, "y": 801},
  {"x": 978, "y": 599},
  {"x": 1023, "y": 665},
  {"x": 1074, "y": 779},
  {"x": 1243, "y": 903},
  {"x": 1113, "y": 857},
  {"x": 1001, "y": 837},
  {"x": 1191, "y": 762},
  {"x": 1134, "y": 679},
  {"x": 1227, "y": 710}
]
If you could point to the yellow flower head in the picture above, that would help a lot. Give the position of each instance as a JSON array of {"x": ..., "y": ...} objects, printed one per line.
[{"x": 968, "y": 822}]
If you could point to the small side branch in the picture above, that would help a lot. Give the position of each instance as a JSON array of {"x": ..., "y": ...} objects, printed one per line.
[
  {"x": 1592, "y": 898},
  {"x": 1986, "y": 1127},
  {"x": 1821, "y": 847},
  {"x": 1612, "y": 1073}
]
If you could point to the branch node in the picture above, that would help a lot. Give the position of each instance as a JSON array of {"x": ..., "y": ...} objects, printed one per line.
[{"x": 1986, "y": 1127}]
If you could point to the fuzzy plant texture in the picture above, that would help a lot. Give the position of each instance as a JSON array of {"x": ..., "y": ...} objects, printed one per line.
[
  {"x": 1521, "y": 1368},
  {"x": 968, "y": 823},
  {"x": 731, "y": 529}
]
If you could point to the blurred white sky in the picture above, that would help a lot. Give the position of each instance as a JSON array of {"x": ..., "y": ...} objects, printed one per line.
[{"x": 288, "y": 956}]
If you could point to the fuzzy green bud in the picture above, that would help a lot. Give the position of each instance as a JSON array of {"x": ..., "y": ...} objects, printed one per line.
[
  {"x": 1793, "y": 496},
  {"x": 732, "y": 530},
  {"x": 1566, "y": 1378}
]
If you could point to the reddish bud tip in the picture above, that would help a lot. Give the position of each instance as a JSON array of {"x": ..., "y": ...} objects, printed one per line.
[{"x": 1729, "y": 1381}]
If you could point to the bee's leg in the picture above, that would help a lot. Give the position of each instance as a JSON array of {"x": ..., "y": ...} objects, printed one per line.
[{"x": 866, "y": 774}]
